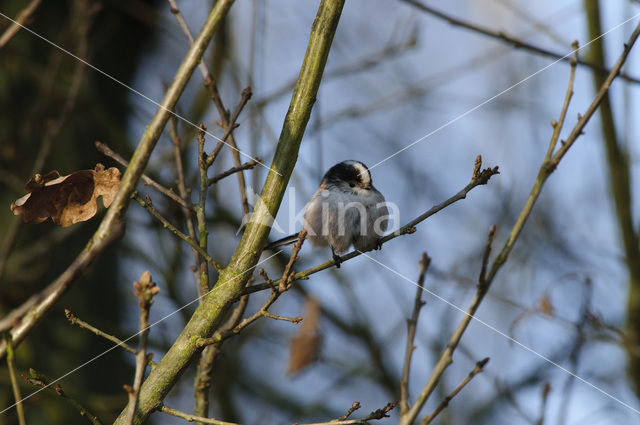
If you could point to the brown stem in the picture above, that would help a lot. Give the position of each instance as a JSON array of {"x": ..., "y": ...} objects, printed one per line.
[
  {"x": 412, "y": 325},
  {"x": 514, "y": 41},
  {"x": 145, "y": 290},
  {"x": 169, "y": 193},
  {"x": 21, "y": 19},
  {"x": 148, "y": 205},
  {"x": 82, "y": 324},
  {"x": 443, "y": 405}
]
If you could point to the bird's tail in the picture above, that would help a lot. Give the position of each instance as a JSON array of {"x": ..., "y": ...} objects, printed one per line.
[{"x": 287, "y": 240}]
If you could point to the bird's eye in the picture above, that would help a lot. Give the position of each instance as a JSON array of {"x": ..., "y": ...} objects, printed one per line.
[{"x": 352, "y": 184}]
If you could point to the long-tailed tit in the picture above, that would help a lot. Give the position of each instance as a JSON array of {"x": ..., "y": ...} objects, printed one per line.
[{"x": 345, "y": 210}]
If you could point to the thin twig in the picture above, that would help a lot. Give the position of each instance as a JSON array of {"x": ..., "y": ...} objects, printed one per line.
[
  {"x": 82, "y": 324},
  {"x": 408, "y": 228},
  {"x": 412, "y": 325},
  {"x": 443, "y": 405},
  {"x": 375, "y": 415},
  {"x": 446, "y": 358},
  {"x": 14, "y": 381},
  {"x": 146, "y": 289},
  {"x": 550, "y": 165},
  {"x": 285, "y": 283},
  {"x": 543, "y": 405},
  {"x": 547, "y": 167},
  {"x": 228, "y": 124},
  {"x": 193, "y": 418},
  {"x": 354, "y": 406},
  {"x": 148, "y": 205},
  {"x": 203, "y": 233},
  {"x": 22, "y": 319},
  {"x": 169, "y": 193},
  {"x": 246, "y": 166},
  {"x": 182, "y": 190},
  {"x": 482, "y": 280},
  {"x": 39, "y": 380},
  {"x": 202, "y": 381},
  {"x": 514, "y": 41},
  {"x": 21, "y": 19}
]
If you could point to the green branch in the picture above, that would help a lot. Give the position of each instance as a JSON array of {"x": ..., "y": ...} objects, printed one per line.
[{"x": 231, "y": 280}]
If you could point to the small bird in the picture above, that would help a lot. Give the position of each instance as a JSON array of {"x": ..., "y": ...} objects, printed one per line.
[{"x": 345, "y": 210}]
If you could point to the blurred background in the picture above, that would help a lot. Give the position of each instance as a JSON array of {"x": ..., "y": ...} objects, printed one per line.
[{"x": 396, "y": 73}]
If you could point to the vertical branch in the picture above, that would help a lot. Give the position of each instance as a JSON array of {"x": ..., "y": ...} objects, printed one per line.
[
  {"x": 200, "y": 212},
  {"x": 412, "y": 325},
  {"x": 620, "y": 185},
  {"x": 203, "y": 374},
  {"x": 226, "y": 122},
  {"x": 14, "y": 381},
  {"x": 443, "y": 405},
  {"x": 232, "y": 279},
  {"x": 182, "y": 191},
  {"x": 446, "y": 358},
  {"x": 145, "y": 290}
]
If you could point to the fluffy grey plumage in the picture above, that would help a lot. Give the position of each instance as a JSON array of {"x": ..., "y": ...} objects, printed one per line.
[{"x": 346, "y": 210}]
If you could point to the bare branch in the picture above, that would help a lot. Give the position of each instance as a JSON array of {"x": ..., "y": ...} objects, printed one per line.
[
  {"x": 246, "y": 166},
  {"x": 169, "y": 193},
  {"x": 446, "y": 358},
  {"x": 148, "y": 205},
  {"x": 193, "y": 418},
  {"x": 285, "y": 283},
  {"x": 82, "y": 324},
  {"x": 25, "y": 317},
  {"x": 514, "y": 41},
  {"x": 21, "y": 19},
  {"x": 550, "y": 164},
  {"x": 111, "y": 226},
  {"x": 443, "y": 405},
  {"x": 184, "y": 194},
  {"x": 146, "y": 289},
  {"x": 375, "y": 415},
  {"x": 14, "y": 381},
  {"x": 39, "y": 380},
  {"x": 412, "y": 325}
]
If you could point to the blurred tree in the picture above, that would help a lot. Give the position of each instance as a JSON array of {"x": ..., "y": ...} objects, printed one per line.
[{"x": 53, "y": 108}]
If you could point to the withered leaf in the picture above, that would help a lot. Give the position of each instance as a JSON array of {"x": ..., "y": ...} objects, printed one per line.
[
  {"x": 67, "y": 199},
  {"x": 305, "y": 346}
]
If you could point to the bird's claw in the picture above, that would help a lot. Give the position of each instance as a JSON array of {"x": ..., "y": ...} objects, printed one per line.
[{"x": 337, "y": 259}]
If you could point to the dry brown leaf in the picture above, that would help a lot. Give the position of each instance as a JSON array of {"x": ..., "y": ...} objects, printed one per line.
[
  {"x": 67, "y": 199},
  {"x": 305, "y": 346}
]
